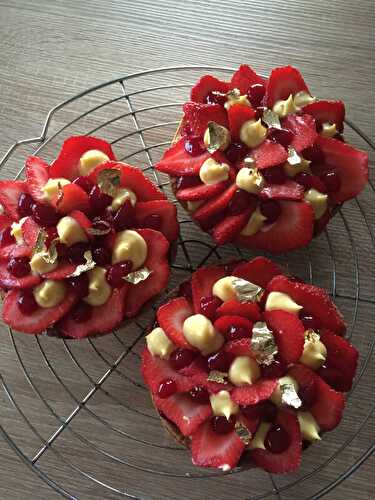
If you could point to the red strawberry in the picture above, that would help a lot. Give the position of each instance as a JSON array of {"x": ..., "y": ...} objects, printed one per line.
[
  {"x": 224, "y": 323},
  {"x": 226, "y": 230},
  {"x": 165, "y": 210},
  {"x": 7, "y": 280},
  {"x": 238, "y": 114},
  {"x": 252, "y": 394},
  {"x": 318, "y": 184},
  {"x": 296, "y": 221},
  {"x": 288, "y": 331},
  {"x": 283, "y": 82},
  {"x": 259, "y": 271},
  {"x": 30, "y": 231},
  {"x": 233, "y": 307},
  {"x": 15, "y": 251},
  {"x": 202, "y": 282},
  {"x": 288, "y": 460},
  {"x": 36, "y": 176},
  {"x": 177, "y": 161},
  {"x": 290, "y": 190},
  {"x": 37, "y": 322},
  {"x": 198, "y": 116},
  {"x": 5, "y": 221},
  {"x": 210, "y": 449},
  {"x": 341, "y": 363},
  {"x": 73, "y": 198},
  {"x": 327, "y": 112},
  {"x": 350, "y": 163},
  {"x": 239, "y": 347},
  {"x": 269, "y": 154},
  {"x": 171, "y": 317},
  {"x": 215, "y": 205},
  {"x": 315, "y": 301},
  {"x": 103, "y": 318},
  {"x": 183, "y": 411},
  {"x": 82, "y": 219},
  {"x": 157, "y": 262},
  {"x": 205, "y": 86},
  {"x": 304, "y": 130},
  {"x": 132, "y": 178},
  {"x": 10, "y": 192},
  {"x": 73, "y": 148},
  {"x": 201, "y": 192},
  {"x": 62, "y": 271},
  {"x": 244, "y": 77}
]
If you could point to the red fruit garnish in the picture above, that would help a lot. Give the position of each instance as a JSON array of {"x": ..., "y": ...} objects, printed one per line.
[
  {"x": 265, "y": 410},
  {"x": 72, "y": 198},
  {"x": 269, "y": 154},
  {"x": 10, "y": 192},
  {"x": 209, "y": 306},
  {"x": 239, "y": 347},
  {"x": 45, "y": 215},
  {"x": 304, "y": 130},
  {"x": 171, "y": 317},
  {"x": 241, "y": 201},
  {"x": 233, "y": 307},
  {"x": 205, "y": 86},
  {"x": 181, "y": 358},
  {"x": 229, "y": 228},
  {"x": 275, "y": 175},
  {"x": 289, "y": 190},
  {"x": 221, "y": 425},
  {"x": 81, "y": 313},
  {"x": 277, "y": 439},
  {"x": 238, "y": 114},
  {"x": 215, "y": 206},
  {"x": 327, "y": 112},
  {"x": 117, "y": 272},
  {"x": 85, "y": 183},
  {"x": 288, "y": 331},
  {"x": 10, "y": 280},
  {"x": 25, "y": 205},
  {"x": 255, "y": 94},
  {"x": 165, "y": 210},
  {"x": 199, "y": 115},
  {"x": 177, "y": 161},
  {"x": 234, "y": 327},
  {"x": 62, "y": 271},
  {"x": 6, "y": 238},
  {"x": 283, "y": 82},
  {"x": 252, "y": 394},
  {"x": 202, "y": 282},
  {"x": 27, "y": 303},
  {"x": 220, "y": 361},
  {"x": 270, "y": 209},
  {"x": 201, "y": 192},
  {"x": 200, "y": 395},
  {"x": 244, "y": 78},
  {"x": 36, "y": 177},
  {"x": 166, "y": 388},
  {"x": 259, "y": 271}
]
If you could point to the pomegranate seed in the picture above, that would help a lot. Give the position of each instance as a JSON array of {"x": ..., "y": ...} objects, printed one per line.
[
  {"x": 209, "y": 306},
  {"x": 270, "y": 209},
  {"x": 82, "y": 312},
  {"x": 99, "y": 201},
  {"x": 153, "y": 221},
  {"x": 220, "y": 361},
  {"x": 80, "y": 285},
  {"x": 237, "y": 332},
  {"x": 236, "y": 151},
  {"x": 309, "y": 322},
  {"x": 256, "y": 93},
  {"x": 85, "y": 183},
  {"x": 180, "y": 358},
  {"x": 19, "y": 266},
  {"x": 277, "y": 440},
  {"x": 281, "y": 135},
  {"x": 25, "y": 205},
  {"x": 216, "y": 97},
  {"x": 314, "y": 154},
  {"x": 200, "y": 394},
  {"x": 193, "y": 146},
  {"x": 117, "y": 272},
  {"x": 100, "y": 224},
  {"x": 241, "y": 201},
  {"x": 259, "y": 112},
  {"x": 304, "y": 179},
  {"x": 75, "y": 253},
  {"x": 167, "y": 388},
  {"x": 331, "y": 181},
  {"x": 62, "y": 250},
  {"x": 264, "y": 410},
  {"x": 185, "y": 290},
  {"x": 6, "y": 238},
  {"x": 124, "y": 218},
  {"x": 27, "y": 303},
  {"x": 187, "y": 181},
  {"x": 45, "y": 215},
  {"x": 101, "y": 255},
  {"x": 275, "y": 175},
  {"x": 307, "y": 394},
  {"x": 275, "y": 370},
  {"x": 221, "y": 425}
]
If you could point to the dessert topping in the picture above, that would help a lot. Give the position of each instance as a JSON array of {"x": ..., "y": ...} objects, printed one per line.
[
  {"x": 159, "y": 344},
  {"x": 309, "y": 426},
  {"x": 222, "y": 405},
  {"x": 250, "y": 180},
  {"x": 318, "y": 200},
  {"x": 254, "y": 223},
  {"x": 129, "y": 245},
  {"x": 217, "y": 376},
  {"x": 137, "y": 276},
  {"x": 243, "y": 433},
  {"x": 231, "y": 287},
  {"x": 260, "y": 436},
  {"x": 303, "y": 98},
  {"x": 70, "y": 232},
  {"x": 243, "y": 370},
  {"x": 280, "y": 300},
  {"x": 120, "y": 196},
  {"x": 314, "y": 351},
  {"x": 49, "y": 293},
  {"x": 99, "y": 290},
  {"x": 216, "y": 137},
  {"x": 285, "y": 393},
  {"x": 328, "y": 129},
  {"x": 82, "y": 268},
  {"x": 271, "y": 119},
  {"x": 16, "y": 230},
  {"x": 263, "y": 344},
  {"x": 253, "y": 133},
  {"x": 285, "y": 107},
  {"x": 53, "y": 186},
  {"x": 91, "y": 159},
  {"x": 212, "y": 172},
  {"x": 200, "y": 333},
  {"x": 234, "y": 97},
  {"x": 295, "y": 163}
]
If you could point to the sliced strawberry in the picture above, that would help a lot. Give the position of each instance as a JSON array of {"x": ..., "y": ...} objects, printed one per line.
[
  {"x": 157, "y": 262},
  {"x": 238, "y": 114},
  {"x": 7, "y": 280},
  {"x": 104, "y": 319},
  {"x": 177, "y": 161},
  {"x": 350, "y": 163},
  {"x": 304, "y": 130},
  {"x": 72, "y": 149},
  {"x": 233, "y": 307},
  {"x": 254, "y": 393},
  {"x": 183, "y": 411},
  {"x": 315, "y": 301},
  {"x": 36, "y": 177},
  {"x": 62, "y": 271},
  {"x": 10, "y": 192},
  {"x": 244, "y": 77},
  {"x": 239, "y": 347},
  {"x": 171, "y": 317},
  {"x": 341, "y": 363},
  {"x": 15, "y": 250},
  {"x": 82, "y": 219},
  {"x": 288, "y": 460},
  {"x": 327, "y": 112},
  {"x": 202, "y": 282},
  {"x": 269, "y": 154},
  {"x": 290, "y": 190},
  {"x": 318, "y": 184},
  {"x": 72, "y": 198},
  {"x": 30, "y": 231},
  {"x": 210, "y": 449},
  {"x": 131, "y": 178},
  {"x": 283, "y": 82},
  {"x": 226, "y": 230},
  {"x": 296, "y": 221},
  {"x": 205, "y": 86},
  {"x": 201, "y": 192},
  {"x": 41, "y": 319},
  {"x": 165, "y": 210},
  {"x": 215, "y": 205},
  {"x": 198, "y": 116},
  {"x": 5, "y": 221},
  {"x": 288, "y": 331},
  {"x": 258, "y": 270},
  {"x": 224, "y": 323}
]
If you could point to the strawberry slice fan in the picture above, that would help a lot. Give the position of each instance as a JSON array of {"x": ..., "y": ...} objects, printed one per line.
[
  {"x": 85, "y": 242},
  {"x": 249, "y": 365},
  {"x": 255, "y": 159}
]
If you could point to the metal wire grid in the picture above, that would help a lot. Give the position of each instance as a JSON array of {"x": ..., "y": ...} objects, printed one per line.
[{"x": 187, "y": 265}]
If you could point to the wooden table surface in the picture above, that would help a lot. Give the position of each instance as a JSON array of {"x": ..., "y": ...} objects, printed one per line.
[{"x": 50, "y": 51}]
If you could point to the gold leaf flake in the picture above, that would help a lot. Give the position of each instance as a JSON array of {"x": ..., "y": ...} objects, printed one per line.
[
  {"x": 234, "y": 93},
  {"x": 216, "y": 136},
  {"x": 137, "y": 276},
  {"x": 60, "y": 194},
  {"x": 271, "y": 119},
  {"x": 106, "y": 228},
  {"x": 311, "y": 336},
  {"x": 109, "y": 180},
  {"x": 82, "y": 268},
  {"x": 218, "y": 377},
  {"x": 247, "y": 291},
  {"x": 289, "y": 396},
  {"x": 243, "y": 433},
  {"x": 263, "y": 344},
  {"x": 40, "y": 240},
  {"x": 50, "y": 255},
  {"x": 293, "y": 157}
]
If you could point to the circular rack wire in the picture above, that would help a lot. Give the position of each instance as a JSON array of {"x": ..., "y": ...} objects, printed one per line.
[{"x": 95, "y": 404}]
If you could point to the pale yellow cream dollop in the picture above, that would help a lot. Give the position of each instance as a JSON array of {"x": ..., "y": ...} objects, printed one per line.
[
  {"x": 99, "y": 289},
  {"x": 70, "y": 232},
  {"x": 129, "y": 245},
  {"x": 243, "y": 370},
  {"x": 200, "y": 333},
  {"x": 91, "y": 159},
  {"x": 253, "y": 133},
  {"x": 50, "y": 293},
  {"x": 159, "y": 344},
  {"x": 222, "y": 405},
  {"x": 212, "y": 172},
  {"x": 280, "y": 300}
]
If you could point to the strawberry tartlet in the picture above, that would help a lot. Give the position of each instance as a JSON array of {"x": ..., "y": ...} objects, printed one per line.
[
  {"x": 255, "y": 159},
  {"x": 246, "y": 365},
  {"x": 84, "y": 242}
]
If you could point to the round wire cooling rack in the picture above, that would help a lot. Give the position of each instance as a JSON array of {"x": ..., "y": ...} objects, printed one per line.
[{"x": 77, "y": 413}]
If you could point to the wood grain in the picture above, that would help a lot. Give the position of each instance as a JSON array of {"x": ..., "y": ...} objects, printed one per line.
[{"x": 52, "y": 50}]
